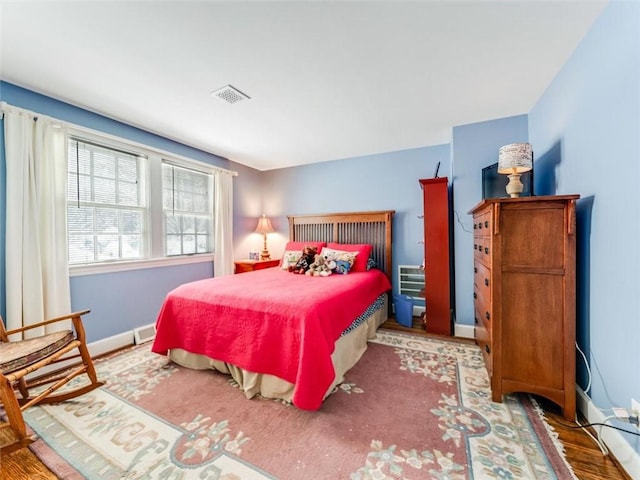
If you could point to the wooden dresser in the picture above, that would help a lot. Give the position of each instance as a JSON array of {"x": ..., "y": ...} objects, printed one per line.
[{"x": 524, "y": 295}]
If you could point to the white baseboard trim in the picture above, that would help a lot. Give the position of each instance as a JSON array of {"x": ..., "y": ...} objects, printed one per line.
[
  {"x": 626, "y": 456},
  {"x": 110, "y": 344},
  {"x": 464, "y": 331}
]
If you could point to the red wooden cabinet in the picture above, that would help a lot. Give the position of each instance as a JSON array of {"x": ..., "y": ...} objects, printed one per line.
[{"x": 437, "y": 255}]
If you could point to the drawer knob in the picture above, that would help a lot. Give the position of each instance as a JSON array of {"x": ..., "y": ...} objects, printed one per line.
[
  {"x": 486, "y": 224},
  {"x": 487, "y": 349},
  {"x": 480, "y": 225},
  {"x": 475, "y": 295},
  {"x": 475, "y": 226},
  {"x": 486, "y": 282},
  {"x": 475, "y": 269},
  {"x": 486, "y": 250},
  {"x": 487, "y": 316}
]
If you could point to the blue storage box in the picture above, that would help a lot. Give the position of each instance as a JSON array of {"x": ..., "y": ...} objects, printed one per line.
[{"x": 403, "y": 305}]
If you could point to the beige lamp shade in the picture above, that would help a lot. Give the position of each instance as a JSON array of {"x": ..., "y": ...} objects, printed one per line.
[
  {"x": 515, "y": 158},
  {"x": 264, "y": 227}
]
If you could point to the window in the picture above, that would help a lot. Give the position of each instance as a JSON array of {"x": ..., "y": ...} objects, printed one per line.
[
  {"x": 106, "y": 207},
  {"x": 130, "y": 206},
  {"x": 187, "y": 202}
]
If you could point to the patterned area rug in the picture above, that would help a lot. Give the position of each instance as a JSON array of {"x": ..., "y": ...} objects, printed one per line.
[{"x": 412, "y": 408}]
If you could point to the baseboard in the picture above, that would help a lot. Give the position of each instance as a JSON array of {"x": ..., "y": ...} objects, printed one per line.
[
  {"x": 625, "y": 455},
  {"x": 464, "y": 331},
  {"x": 110, "y": 344}
]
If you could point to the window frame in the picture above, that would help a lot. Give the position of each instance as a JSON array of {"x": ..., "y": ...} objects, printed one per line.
[
  {"x": 210, "y": 179},
  {"x": 155, "y": 238}
]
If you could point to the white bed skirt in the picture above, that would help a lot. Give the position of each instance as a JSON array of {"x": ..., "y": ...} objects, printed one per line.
[{"x": 349, "y": 349}]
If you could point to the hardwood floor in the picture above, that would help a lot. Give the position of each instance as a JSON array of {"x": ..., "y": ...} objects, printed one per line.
[{"x": 581, "y": 452}]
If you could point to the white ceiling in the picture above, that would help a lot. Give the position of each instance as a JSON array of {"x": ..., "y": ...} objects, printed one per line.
[{"x": 327, "y": 80}]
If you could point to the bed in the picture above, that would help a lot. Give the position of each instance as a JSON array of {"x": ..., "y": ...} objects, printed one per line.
[{"x": 281, "y": 335}]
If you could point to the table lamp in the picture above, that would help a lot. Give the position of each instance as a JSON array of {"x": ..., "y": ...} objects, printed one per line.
[
  {"x": 513, "y": 160},
  {"x": 264, "y": 227}
]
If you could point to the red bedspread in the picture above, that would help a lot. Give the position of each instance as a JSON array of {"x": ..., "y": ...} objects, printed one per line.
[{"x": 269, "y": 321}]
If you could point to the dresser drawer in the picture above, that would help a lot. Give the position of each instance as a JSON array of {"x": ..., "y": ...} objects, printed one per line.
[
  {"x": 482, "y": 280},
  {"x": 482, "y": 249},
  {"x": 483, "y": 339},
  {"x": 482, "y": 312},
  {"x": 482, "y": 224}
]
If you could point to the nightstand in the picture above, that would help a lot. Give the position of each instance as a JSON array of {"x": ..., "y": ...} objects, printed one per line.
[{"x": 251, "y": 265}]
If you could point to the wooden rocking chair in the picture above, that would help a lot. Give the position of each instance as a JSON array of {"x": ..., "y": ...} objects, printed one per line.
[{"x": 20, "y": 358}]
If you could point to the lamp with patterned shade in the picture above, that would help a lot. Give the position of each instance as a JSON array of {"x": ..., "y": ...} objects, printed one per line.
[
  {"x": 513, "y": 160},
  {"x": 264, "y": 227}
]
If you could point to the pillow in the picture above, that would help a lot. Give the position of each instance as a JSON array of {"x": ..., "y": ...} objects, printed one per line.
[
  {"x": 363, "y": 249},
  {"x": 290, "y": 257},
  {"x": 344, "y": 260},
  {"x": 293, "y": 252},
  {"x": 371, "y": 263}
]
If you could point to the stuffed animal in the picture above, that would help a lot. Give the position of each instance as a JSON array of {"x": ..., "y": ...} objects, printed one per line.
[
  {"x": 316, "y": 267},
  {"x": 342, "y": 266},
  {"x": 321, "y": 266},
  {"x": 305, "y": 261}
]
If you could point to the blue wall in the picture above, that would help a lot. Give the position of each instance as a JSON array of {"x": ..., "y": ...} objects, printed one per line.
[
  {"x": 586, "y": 127},
  {"x": 475, "y": 146},
  {"x": 386, "y": 181},
  {"x": 120, "y": 301}
]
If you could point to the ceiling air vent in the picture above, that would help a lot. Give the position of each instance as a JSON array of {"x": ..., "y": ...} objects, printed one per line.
[{"x": 230, "y": 94}]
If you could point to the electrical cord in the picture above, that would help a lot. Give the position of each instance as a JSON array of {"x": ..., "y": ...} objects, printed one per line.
[
  {"x": 586, "y": 364},
  {"x": 602, "y": 383},
  {"x": 460, "y": 222},
  {"x": 589, "y": 381},
  {"x": 600, "y": 424},
  {"x": 600, "y": 443},
  {"x": 603, "y": 424}
]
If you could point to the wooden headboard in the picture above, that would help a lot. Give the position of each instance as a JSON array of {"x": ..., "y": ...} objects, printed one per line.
[{"x": 358, "y": 227}]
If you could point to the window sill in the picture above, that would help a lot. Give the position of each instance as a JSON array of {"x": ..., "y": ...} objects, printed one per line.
[{"x": 81, "y": 270}]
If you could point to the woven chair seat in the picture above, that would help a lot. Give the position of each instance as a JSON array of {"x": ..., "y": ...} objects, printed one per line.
[
  {"x": 17, "y": 355},
  {"x": 22, "y": 358}
]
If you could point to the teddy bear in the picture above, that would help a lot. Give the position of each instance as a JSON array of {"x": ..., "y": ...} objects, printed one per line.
[
  {"x": 322, "y": 266},
  {"x": 308, "y": 257}
]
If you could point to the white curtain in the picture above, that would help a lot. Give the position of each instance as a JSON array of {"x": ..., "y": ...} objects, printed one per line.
[
  {"x": 37, "y": 272},
  {"x": 223, "y": 236}
]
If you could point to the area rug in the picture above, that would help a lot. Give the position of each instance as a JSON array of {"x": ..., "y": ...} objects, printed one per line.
[{"x": 412, "y": 408}]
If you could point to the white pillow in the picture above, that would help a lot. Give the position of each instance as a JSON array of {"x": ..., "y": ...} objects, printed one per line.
[{"x": 290, "y": 258}]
